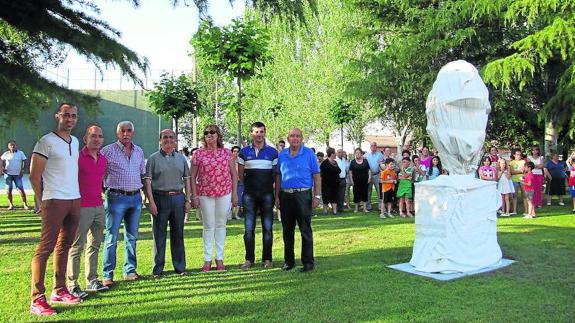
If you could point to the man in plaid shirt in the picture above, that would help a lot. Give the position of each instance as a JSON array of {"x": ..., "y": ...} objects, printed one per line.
[{"x": 123, "y": 181}]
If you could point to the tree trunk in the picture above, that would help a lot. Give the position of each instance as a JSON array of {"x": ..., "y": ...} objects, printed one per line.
[
  {"x": 341, "y": 129},
  {"x": 239, "y": 134},
  {"x": 175, "y": 127},
  {"x": 550, "y": 135}
]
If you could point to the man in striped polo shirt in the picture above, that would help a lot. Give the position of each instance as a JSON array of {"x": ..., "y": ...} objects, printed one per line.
[{"x": 256, "y": 169}]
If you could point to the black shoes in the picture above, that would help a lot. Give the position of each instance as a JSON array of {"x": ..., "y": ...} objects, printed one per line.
[
  {"x": 288, "y": 267},
  {"x": 305, "y": 269}
]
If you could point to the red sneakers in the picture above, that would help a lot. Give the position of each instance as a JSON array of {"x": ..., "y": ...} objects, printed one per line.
[
  {"x": 207, "y": 266},
  {"x": 220, "y": 265},
  {"x": 62, "y": 296},
  {"x": 40, "y": 307}
]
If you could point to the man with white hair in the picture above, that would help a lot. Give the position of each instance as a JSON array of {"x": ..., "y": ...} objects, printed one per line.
[
  {"x": 374, "y": 158},
  {"x": 124, "y": 173}
]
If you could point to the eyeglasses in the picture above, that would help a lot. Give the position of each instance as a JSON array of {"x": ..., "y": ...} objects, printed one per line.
[
  {"x": 68, "y": 115},
  {"x": 168, "y": 137},
  {"x": 210, "y": 132}
]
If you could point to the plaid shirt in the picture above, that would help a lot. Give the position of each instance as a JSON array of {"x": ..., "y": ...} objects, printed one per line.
[{"x": 123, "y": 172}]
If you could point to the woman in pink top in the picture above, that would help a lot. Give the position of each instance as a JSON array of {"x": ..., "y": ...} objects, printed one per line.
[
  {"x": 214, "y": 192},
  {"x": 425, "y": 158},
  {"x": 539, "y": 163}
]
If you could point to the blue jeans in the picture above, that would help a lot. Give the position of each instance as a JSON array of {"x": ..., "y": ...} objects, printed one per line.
[
  {"x": 118, "y": 207},
  {"x": 16, "y": 179},
  {"x": 240, "y": 192},
  {"x": 254, "y": 204}
]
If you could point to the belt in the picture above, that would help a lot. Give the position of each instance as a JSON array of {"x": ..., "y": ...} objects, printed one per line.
[
  {"x": 294, "y": 190},
  {"x": 128, "y": 193},
  {"x": 168, "y": 193}
]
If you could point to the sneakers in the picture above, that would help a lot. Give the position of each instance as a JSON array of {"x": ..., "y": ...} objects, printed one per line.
[
  {"x": 220, "y": 265},
  {"x": 513, "y": 213},
  {"x": 62, "y": 296},
  {"x": 96, "y": 286},
  {"x": 268, "y": 264},
  {"x": 132, "y": 277},
  {"x": 561, "y": 203},
  {"x": 504, "y": 214},
  {"x": 382, "y": 215},
  {"x": 40, "y": 307},
  {"x": 527, "y": 216},
  {"x": 247, "y": 265},
  {"x": 207, "y": 266},
  {"x": 78, "y": 292}
]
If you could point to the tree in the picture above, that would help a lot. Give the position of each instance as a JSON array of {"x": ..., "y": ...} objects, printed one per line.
[
  {"x": 174, "y": 98},
  {"x": 38, "y": 33},
  {"x": 34, "y": 34},
  {"x": 341, "y": 114},
  {"x": 523, "y": 48},
  {"x": 308, "y": 72},
  {"x": 238, "y": 50}
]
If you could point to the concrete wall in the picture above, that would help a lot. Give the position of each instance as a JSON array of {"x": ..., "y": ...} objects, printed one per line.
[{"x": 146, "y": 123}]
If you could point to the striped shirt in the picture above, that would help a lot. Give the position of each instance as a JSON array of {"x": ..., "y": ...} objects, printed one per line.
[
  {"x": 258, "y": 168},
  {"x": 123, "y": 172}
]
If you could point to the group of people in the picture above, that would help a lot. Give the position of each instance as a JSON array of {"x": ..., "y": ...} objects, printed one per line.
[
  {"x": 376, "y": 171},
  {"x": 530, "y": 176},
  {"x": 68, "y": 181}
]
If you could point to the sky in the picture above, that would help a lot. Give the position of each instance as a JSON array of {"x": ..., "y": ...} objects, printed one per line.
[{"x": 157, "y": 30}]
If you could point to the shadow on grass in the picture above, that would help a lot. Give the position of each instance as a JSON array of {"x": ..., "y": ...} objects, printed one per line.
[{"x": 354, "y": 285}]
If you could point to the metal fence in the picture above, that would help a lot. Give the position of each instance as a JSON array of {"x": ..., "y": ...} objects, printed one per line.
[{"x": 95, "y": 80}]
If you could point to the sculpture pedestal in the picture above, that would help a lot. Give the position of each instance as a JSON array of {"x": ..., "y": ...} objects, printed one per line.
[{"x": 455, "y": 225}]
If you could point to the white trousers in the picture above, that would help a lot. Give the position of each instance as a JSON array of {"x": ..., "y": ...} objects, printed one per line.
[{"x": 214, "y": 216}]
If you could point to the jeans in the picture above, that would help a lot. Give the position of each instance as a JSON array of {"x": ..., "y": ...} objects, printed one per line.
[
  {"x": 170, "y": 209},
  {"x": 214, "y": 215},
  {"x": 240, "y": 192},
  {"x": 262, "y": 203},
  {"x": 373, "y": 184},
  {"x": 296, "y": 207},
  {"x": 121, "y": 207},
  {"x": 16, "y": 179}
]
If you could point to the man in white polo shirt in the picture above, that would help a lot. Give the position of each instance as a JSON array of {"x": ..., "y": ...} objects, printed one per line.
[
  {"x": 13, "y": 161},
  {"x": 54, "y": 178}
]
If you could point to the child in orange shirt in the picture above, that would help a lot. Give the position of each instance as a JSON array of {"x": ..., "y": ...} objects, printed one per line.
[{"x": 388, "y": 178}]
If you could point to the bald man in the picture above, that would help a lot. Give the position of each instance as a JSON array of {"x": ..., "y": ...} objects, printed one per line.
[
  {"x": 91, "y": 171},
  {"x": 297, "y": 175}
]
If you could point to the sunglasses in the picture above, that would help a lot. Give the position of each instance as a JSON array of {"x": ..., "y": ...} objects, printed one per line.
[{"x": 210, "y": 132}]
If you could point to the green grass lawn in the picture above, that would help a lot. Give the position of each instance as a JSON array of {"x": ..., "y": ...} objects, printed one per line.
[{"x": 351, "y": 281}]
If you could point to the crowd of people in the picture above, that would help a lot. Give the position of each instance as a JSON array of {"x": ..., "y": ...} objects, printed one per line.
[
  {"x": 392, "y": 178},
  {"x": 255, "y": 179}
]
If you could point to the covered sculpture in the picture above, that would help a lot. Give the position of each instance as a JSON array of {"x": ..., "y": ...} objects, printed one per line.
[{"x": 455, "y": 226}]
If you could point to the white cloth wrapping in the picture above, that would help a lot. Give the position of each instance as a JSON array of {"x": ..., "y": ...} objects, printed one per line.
[
  {"x": 457, "y": 109},
  {"x": 455, "y": 224}
]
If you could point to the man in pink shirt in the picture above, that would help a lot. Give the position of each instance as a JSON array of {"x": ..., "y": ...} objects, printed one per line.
[{"x": 91, "y": 171}]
